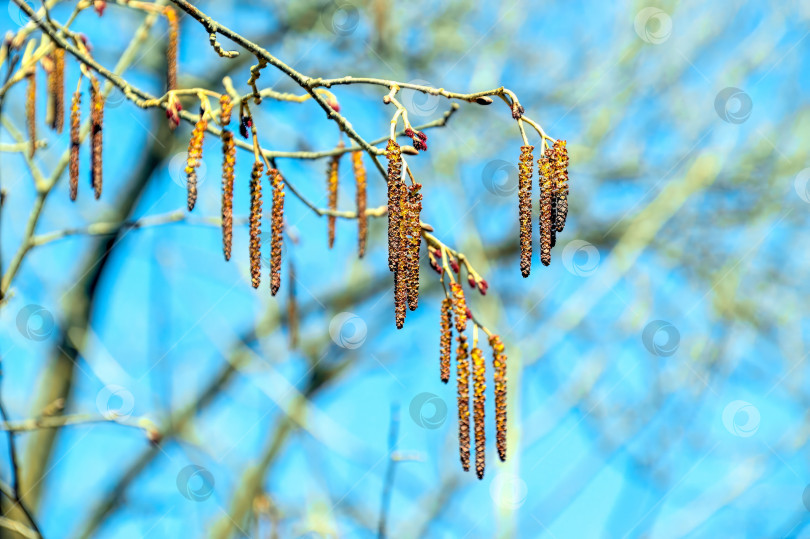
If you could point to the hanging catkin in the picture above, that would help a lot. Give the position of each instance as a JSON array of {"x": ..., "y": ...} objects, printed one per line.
[
  {"x": 545, "y": 172},
  {"x": 228, "y": 164},
  {"x": 332, "y": 192},
  {"x": 225, "y": 106},
  {"x": 362, "y": 218},
  {"x": 463, "y": 383},
  {"x": 479, "y": 400},
  {"x": 395, "y": 186},
  {"x": 56, "y": 89},
  {"x": 277, "y": 229},
  {"x": 561, "y": 177},
  {"x": 446, "y": 341},
  {"x": 75, "y": 143},
  {"x": 194, "y": 158},
  {"x": 413, "y": 231},
  {"x": 96, "y": 124},
  {"x": 525, "y": 208},
  {"x": 31, "y": 110},
  {"x": 459, "y": 307},
  {"x": 499, "y": 378},
  {"x": 171, "y": 52},
  {"x": 256, "y": 223}
]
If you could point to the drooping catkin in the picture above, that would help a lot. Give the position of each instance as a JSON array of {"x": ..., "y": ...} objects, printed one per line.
[
  {"x": 400, "y": 293},
  {"x": 225, "y": 108},
  {"x": 228, "y": 164},
  {"x": 479, "y": 400},
  {"x": 194, "y": 158},
  {"x": 96, "y": 125},
  {"x": 459, "y": 307},
  {"x": 499, "y": 378},
  {"x": 75, "y": 143},
  {"x": 413, "y": 230},
  {"x": 31, "y": 110},
  {"x": 545, "y": 173},
  {"x": 553, "y": 214},
  {"x": 277, "y": 229},
  {"x": 362, "y": 218},
  {"x": 256, "y": 223},
  {"x": 463, "y": 395},
  {"x": 332, "y": 192},
  {"x": 395, "y": 186},
  {"x": 446, "y": 341},
  {"x": 171, "y": 52},
  {"x": 56, "y": 89},
  {"x": 561, "y": 177},
  {"x": 525, "y": 208}
]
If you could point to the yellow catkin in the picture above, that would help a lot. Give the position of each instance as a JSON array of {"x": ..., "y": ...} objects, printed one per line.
[
  {"x": 545, "y": 174},
  {"x": 225, "y": 108},
  {"x": 446, "y": 340},
  {"x": 525, "y": 208},
  {"x": 413, "y": 231},
  {"x": 362, "y": 218},
  {"x": 459, "y": 307},
  {"x": 332, "y": 192},
  {"x": 96, "y": 126},
  {"x": 228, "y": 164},
  {"x": 194, "y": 158},
  {"x": 479, "y": 400},
  {"x": 256, "y": 223},
  {"x": 277, "y": 229},
  {"x": 31, "y": 111},
  {"x": 171, "y": 51},
  {"x": 75, "y": 143},
  {"x": 499, "y": 378},
  {"x": 395, "y": 188},
  {"x": 561, "y": 177},
  {"x": 56, "y": 89},
  {"x": 463, "y": 395}
]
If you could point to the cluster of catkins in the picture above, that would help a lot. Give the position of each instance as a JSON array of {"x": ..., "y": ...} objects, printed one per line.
[
  {"x": 553, "y": 184},
  {"x": 404, "y": 235},
  {"x": 455, "y": 314}
]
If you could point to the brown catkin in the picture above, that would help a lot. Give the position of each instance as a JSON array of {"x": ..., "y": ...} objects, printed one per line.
[
  {"x": 479, "y": 400},
  {"x": 400, "y": 294},
  {"x": 31, "y": 110},
  {"x": 225, "y": 108},
  {"x": 525, "y": 208},
  {"x": 499, "y": 378},
  {"x": 96, "y": 125},
  {"x": 256, "y": 223},
  {"x": 362, "y": 218},
  {"x": 75, "y": 143},
  {"x": 194, "y": 158},
  {"x": 277, "y": 229},
  {"x": 545, "y": 173},
  {"x": 171, "y": 52},
  {"x": 463, "y": 383},
  {"x": 56, "y": 89},
  {"x": 446, "y": 341},
  {"x": 395, "y": 185},
  {"x": 561, "y": 177},
  {"x": 332, "y": 192},
  {"x": 459, "y": 307},
  {"x": 228, "y": 164},
  {"x": 413, "y": 231}
]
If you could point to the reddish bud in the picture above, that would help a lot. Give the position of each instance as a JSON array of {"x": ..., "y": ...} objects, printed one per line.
[
  {"x": 469, "y": 314},
  {"x": 471, "y": 280},
  {"x": 454, "y": 265},
  {"x": 483, "y": 286}
]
